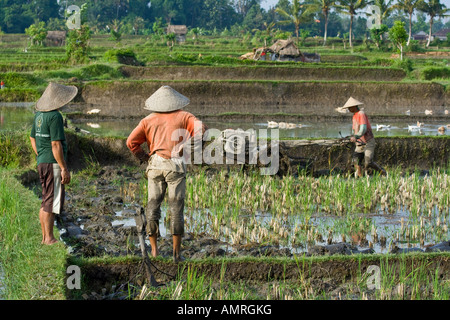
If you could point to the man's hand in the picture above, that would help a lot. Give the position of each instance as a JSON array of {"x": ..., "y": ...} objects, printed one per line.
[
  {"x": 65, "y": 176},
  {"x": 352, "y": 139}
]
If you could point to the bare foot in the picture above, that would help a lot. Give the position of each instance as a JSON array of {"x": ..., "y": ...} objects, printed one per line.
[{"x": 51, "y": 241}]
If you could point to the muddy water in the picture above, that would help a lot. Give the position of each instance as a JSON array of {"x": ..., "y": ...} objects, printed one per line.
[
  {"x": 14, "y": 116},
  {"x": 20, "y": 115},
  {"x": 306, "y": 129},
  {"x": 199, "y": 222}
]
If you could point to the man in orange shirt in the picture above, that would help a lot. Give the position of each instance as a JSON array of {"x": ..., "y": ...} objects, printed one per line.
[
  {"x": 166, "y": 131},
  {"x": 363, "y": 138}
]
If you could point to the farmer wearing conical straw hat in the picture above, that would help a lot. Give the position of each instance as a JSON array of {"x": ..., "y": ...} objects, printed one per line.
[
  {"x": 49, "y": 144},
  {"x": 363, "y": 138},
  {"x": 165, "y": 130}
]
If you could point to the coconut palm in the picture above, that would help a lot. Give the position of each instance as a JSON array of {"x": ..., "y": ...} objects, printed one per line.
[
  {"x": 324, "y": 6},
  {"x": 297, "y": 14},
  {"x": 350, "y": 7},
  {"x": 386, "y": 7},
  {"x": 408, "y": 6},
  {"x": 433, "y": 8}
]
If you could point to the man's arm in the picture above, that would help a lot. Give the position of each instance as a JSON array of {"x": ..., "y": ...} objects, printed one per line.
[
  {"x": 33, "y": 145},
  {"x": 135, "y": 140},
  {"x": 360, "y": 133},
  {"x": 58, "y": 153}
]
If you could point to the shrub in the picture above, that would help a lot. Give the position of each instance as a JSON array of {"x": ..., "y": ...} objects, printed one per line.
[
  {"x": 99, "y": 71},
  {"x": 20, "y": 80},
  {"x": 405, "y": 64},
  {"x": 430, "y": 73},
  {"x": 123, "y": 56}
]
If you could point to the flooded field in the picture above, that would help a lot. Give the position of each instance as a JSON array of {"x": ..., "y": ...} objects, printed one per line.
[
  {"x": 231, "y": 214},
  {"x": 20, "y": 115}
]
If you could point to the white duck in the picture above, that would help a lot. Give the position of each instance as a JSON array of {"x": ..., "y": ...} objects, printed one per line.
[
  {"x": 291, "y": 125},
  {"x": 408, "y": 112},
  {"x": 93, "y": 111},
  {"x": 428, "y": 112},
  {"x": 272, "y": 124},
  {"x": 93, "y": 125},
  {"x": 418, "y": 126},
  {"x": 282, "y": 125},
  {"x": 383, "y": 127}
]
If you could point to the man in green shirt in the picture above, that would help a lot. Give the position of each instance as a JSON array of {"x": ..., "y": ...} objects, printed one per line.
[{"x": 49, "y": 143}]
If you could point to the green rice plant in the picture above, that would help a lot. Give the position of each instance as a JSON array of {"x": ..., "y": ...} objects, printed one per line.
[{"x": 20, "y": 80}]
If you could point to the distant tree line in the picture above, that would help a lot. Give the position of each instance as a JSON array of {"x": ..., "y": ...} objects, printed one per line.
[{"x": 322, "y": 18}]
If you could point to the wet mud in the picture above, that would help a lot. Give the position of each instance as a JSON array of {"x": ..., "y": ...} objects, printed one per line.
[{"x": 98, "y": 220}]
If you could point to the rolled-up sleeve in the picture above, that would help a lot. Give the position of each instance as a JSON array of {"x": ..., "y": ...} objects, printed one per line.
[{"x": 136, "y": 139}]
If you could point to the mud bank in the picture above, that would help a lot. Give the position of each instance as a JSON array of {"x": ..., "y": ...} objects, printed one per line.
[
  {"x": 340, "y": 270},
  {"x": 406, "y": 152},
  {"x": 127, "y": 98},
  {"x": 262, "y": 73}
]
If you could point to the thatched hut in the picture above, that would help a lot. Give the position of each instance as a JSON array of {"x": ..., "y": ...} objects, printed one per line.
[
  {"x": 285, "y": 50},
  {"x": 180, "y": 32},
  {"x": 55, "y": 38}
]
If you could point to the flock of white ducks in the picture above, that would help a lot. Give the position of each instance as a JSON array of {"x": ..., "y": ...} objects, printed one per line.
[{"x": 283, "y": 125}]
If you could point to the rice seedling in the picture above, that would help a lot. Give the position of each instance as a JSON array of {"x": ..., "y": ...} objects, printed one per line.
[{"x": 283, "y": 207}]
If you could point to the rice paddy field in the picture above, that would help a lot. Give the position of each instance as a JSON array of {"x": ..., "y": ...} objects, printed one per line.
[{"x": 248, "y": 236}]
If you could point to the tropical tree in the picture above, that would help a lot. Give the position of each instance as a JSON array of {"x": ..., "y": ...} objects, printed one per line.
[
  {"x": 433, "y": 8},
  {"x": 37, "y": 33},
  {"x": 297, "y": 14},
  {"x": 350, "y": 7},
  {"x": 377, "y": 32},
  {"x": 408, "y": 6},
  {"x": 325, "y": 7},
  {"x": 398, "y": 36},
  {"x": 386, "y": 8}
]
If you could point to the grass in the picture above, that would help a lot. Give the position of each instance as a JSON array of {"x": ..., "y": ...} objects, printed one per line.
[
  {"x": 30, "y": 270},
  {"x": 400, "y": 277}
]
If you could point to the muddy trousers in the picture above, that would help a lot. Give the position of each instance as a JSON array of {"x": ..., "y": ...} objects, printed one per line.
[{"x": 158, "y": 182}]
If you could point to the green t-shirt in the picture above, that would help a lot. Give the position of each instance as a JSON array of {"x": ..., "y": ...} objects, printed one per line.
[{"x": 48, "y": 127}]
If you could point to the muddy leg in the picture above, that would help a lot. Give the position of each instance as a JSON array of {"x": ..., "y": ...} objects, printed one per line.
[
  {"x": 358, "y": 171},
  {"x": 176, "y": 246},
  {"x": 154, "y": 244},
  {"x": 47, "y": 220}
]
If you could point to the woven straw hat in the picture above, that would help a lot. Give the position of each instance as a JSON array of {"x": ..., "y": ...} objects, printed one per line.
[
  {"x": 56, "y": 96},
  {"x": 166, "y": 99},
  {"x": 352, "y": 103}
]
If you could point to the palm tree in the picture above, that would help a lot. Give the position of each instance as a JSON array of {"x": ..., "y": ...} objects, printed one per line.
[
  {"x": 297, "y": 14},
  {"x": 433, "y": 8},
  {"x": 386, "y": 7},
  {"x": 350, "y": 7},
  {"x": 324, "y": 6},
  {"x": 408, "y": 6}
]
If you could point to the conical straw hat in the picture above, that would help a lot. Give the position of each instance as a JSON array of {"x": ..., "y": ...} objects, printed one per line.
[
  {"x": 166, "y": 99},
  {"x": 351, "y": 103},
  {"x": 56, "y": 96}
]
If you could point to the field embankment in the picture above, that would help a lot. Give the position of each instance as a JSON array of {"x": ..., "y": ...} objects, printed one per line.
[
  {"x": 302, "y": 72},
  {"x": 406, "y": 152},
  {"x": 127, "y": 98}
]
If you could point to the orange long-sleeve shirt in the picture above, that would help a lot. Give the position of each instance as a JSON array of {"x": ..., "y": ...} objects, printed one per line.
[{"x": 165, "y": 133}]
